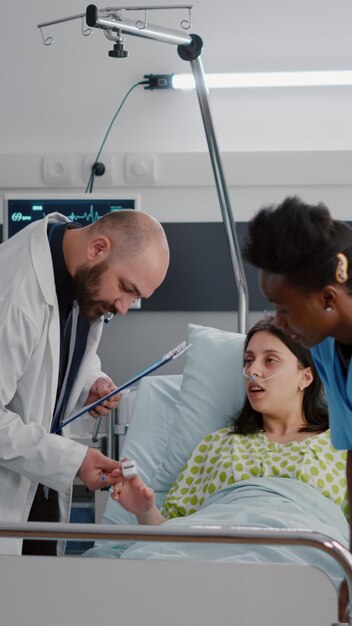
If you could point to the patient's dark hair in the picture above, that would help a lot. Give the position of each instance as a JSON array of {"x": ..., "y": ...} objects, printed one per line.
[
  {"x": 300, "y": 241},
  {"x": 315, "y": 411}
]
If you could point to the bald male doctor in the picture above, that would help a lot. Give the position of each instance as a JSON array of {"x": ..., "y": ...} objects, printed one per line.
[{"x": 57, "y": 282}]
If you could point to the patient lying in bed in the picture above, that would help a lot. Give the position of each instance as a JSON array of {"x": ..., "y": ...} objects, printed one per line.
[
  {"x": 280, "y": 432},
  {"x": 274, "y": 467}
]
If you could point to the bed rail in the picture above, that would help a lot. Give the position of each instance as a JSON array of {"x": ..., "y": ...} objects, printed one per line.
[{"x": 191, "y": 534}]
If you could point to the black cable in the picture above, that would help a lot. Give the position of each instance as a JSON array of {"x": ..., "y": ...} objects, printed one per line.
[{"x": 90, "y": 183}]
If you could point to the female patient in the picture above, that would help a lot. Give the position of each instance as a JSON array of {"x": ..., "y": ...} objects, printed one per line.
[{"x": 281, "y": 431}]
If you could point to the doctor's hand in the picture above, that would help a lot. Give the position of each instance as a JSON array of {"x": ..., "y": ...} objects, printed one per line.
[
  {"x": 98, "y": 471},
  {"x": 138, "y": 499},
  {"x": 102, "y": 387}
]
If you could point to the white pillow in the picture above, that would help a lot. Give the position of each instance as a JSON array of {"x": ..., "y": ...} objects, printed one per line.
[
  {"x": 212, "y": 391},
  {"x": 152, "y": 419}
]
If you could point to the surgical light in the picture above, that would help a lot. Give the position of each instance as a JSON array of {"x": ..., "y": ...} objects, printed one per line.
[{"x": 247, "y": 80}]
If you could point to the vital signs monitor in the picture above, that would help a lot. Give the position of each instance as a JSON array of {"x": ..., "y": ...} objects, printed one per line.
[{"x": 22, "y": 209}]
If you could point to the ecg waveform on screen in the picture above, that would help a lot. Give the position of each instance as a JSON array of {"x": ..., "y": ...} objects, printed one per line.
[{"x": 88, "y": 216}]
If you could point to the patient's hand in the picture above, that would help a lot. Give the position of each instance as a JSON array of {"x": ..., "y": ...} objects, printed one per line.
[
  {"x": 134, "y": 495},
  {"x": 139, "y": 499}
]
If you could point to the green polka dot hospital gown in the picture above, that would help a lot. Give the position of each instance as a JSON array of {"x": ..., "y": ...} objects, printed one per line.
[{"x": 223, "y": 458}]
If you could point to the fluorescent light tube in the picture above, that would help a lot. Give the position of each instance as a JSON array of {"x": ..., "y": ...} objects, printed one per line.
[{"x": 246, "y": 80}]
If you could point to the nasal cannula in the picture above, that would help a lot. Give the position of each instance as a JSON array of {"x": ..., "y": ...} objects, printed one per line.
[{"x": 254, "y": 378}]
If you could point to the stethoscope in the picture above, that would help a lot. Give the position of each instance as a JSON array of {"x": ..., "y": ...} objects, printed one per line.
[{"x": 108, "y": 317}]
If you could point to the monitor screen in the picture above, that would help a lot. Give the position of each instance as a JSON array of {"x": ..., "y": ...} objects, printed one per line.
[{"x": 22, "y": 209}]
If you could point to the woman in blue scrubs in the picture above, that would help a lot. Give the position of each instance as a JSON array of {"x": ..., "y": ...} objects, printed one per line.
[{"x": 305, "y": 262}]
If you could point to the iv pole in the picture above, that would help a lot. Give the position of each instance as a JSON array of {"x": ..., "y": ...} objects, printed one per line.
[{"x": 189, "y": 48}]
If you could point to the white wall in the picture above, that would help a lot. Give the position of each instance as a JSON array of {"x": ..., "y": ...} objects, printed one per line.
[
  {"x": 57, "y": 102},
  {"x": 61, "y": 98}
]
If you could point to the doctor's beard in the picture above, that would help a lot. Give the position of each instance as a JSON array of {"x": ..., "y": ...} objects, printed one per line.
[{"x": 86, "y": 283}]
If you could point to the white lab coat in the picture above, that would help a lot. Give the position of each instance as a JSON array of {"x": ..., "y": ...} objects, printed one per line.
[{"x": 30, "y": 346}]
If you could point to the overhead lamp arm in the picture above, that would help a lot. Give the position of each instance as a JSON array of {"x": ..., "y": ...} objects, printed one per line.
[
  {"x": 189, "y": 48},
  {"x": 130, "y": 27}
]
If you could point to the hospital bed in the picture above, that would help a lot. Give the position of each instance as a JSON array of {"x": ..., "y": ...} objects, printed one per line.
[
  {"x": 167, "y": 417},
  {"x": 85, "y": 592}
]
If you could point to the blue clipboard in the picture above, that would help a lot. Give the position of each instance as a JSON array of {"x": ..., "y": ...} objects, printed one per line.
[{"x": 170, "y": 356}]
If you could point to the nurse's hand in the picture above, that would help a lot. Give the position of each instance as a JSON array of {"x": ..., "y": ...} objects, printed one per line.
[
  {"x": 98, "y": 471},
  {"x": 102, "y": 387}
]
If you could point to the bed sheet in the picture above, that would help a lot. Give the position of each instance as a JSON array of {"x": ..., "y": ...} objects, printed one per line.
[{"x": 263, "y": 502}]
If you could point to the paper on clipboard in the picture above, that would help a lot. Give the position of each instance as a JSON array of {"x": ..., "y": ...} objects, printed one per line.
[{"x": 169, "y": 356}]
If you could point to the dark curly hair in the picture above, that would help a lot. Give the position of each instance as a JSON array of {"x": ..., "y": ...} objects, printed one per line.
[
  {"x": 315, "y": 410},
  {"x": 299, "y": 241}
]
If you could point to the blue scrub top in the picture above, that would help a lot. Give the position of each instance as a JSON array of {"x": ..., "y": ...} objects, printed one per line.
[{"x": 338, "y": 389}]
